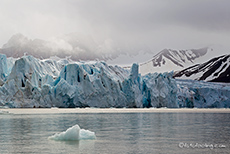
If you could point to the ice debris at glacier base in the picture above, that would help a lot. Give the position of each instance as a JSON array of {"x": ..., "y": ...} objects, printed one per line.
[
  {"x": 74, "y": 133},
  {"x": 29, "y": 82}
]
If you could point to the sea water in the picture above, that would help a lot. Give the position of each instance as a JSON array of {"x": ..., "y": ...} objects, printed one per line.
[{"x": 117, "y": 131}]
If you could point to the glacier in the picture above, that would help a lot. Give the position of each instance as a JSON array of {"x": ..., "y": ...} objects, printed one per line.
[
  {"x": 28, "y": 82},
  {"x": 201, "y": 94}
]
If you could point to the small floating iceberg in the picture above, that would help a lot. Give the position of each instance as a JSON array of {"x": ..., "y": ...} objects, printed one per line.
[{"x": 74, "y": 133}]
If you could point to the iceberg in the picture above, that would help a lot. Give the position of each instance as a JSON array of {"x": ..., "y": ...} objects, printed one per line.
[
  {"x": 30, "y": 82},
  {"x": 74, "y": 133}
]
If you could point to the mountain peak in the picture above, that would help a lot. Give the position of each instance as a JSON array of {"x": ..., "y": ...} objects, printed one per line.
[
  {"x": 169, "y": 59},
  {"x": 178, "y": 57},
  {"x": 16, "y": 40}
]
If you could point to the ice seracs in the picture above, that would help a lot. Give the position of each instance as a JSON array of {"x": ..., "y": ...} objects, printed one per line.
[
  {"x": 159, "y": 90},
  {"x": 34, "y": 83},
  {"x": 31, "y": 82},
  {"x": 200, "y": 94},
  {"x": 3, "y": 67}
]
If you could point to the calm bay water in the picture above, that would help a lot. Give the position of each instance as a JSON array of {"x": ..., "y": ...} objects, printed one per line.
[{"x": 118, "y": 132}]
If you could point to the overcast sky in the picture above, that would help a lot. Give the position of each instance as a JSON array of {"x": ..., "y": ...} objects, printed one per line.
[{"x": 135, "y": 24}]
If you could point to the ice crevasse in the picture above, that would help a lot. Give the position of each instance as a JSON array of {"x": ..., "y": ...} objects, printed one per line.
[{"x": 30, "y": 82}]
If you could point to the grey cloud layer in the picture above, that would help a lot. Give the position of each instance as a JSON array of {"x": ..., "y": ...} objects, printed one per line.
[{"x": 131, "y": 24}]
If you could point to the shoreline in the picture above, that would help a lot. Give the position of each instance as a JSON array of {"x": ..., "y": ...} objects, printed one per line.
[{"x": 111, "y": 110}]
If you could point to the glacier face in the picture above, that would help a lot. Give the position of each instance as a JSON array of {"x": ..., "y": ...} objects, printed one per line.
[
  {"x": 29, "y": 82},
  {"x": 201, "y": 94}
]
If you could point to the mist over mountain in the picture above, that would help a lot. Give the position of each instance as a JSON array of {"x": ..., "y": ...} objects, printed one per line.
[{"x": 75, "y": 46}]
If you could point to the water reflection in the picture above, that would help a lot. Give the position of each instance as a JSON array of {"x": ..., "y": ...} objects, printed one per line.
[
  {"x": 116, "y": 132},
  {"x": 83, "y": 146}
]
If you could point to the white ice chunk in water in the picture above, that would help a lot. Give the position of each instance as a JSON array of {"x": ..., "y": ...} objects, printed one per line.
[
  {"x": 4, "y": 112},
  {"x": 74, "y": 133}
]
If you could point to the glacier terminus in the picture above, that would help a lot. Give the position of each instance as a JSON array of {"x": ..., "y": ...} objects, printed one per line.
[{"x": 29, "y": 82}]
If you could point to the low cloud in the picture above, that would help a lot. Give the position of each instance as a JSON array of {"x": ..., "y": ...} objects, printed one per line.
[{"x": 76, "y": 46}]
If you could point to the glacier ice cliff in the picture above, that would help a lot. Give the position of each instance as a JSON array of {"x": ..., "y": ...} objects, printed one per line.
[
  {"x": 30, "y": 82},
  {"x": 201, "y": 94}
]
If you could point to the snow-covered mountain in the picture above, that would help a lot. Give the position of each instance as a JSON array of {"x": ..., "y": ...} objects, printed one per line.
[
  {"x": 173, "y": 60},
  {"x": 214, "y": 70}
]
